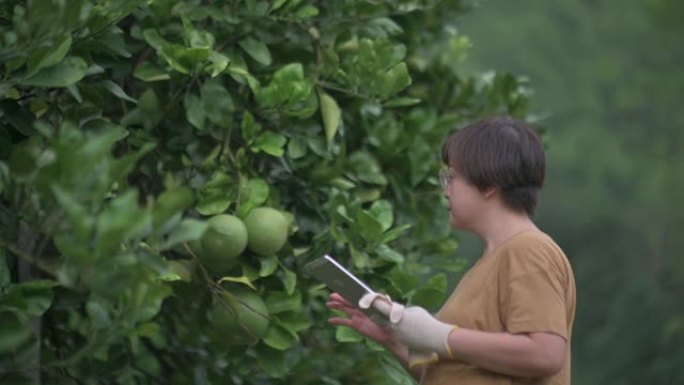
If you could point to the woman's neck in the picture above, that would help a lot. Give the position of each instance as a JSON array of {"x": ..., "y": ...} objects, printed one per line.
[{"x": 503, "y": 227}]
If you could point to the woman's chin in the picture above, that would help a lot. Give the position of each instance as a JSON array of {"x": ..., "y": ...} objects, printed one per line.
[{"x": 453, "y": 222}]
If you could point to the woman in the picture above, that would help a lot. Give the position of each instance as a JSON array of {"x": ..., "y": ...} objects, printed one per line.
[{"x": 509, "y": 320}]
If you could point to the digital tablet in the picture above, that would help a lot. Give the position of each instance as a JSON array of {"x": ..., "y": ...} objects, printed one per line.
[{"x": 343, "y": 282}]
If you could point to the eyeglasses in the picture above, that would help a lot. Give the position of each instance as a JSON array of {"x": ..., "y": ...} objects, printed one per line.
[{"x": 445, "y": 177}]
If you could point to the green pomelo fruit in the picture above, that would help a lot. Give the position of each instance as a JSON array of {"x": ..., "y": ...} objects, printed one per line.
[
  {"x": 240, "y": 320},
  {"x": 267, "y": 229},
  {"x": 195, "y": 247},
  {"x": 222, "y": 242}
]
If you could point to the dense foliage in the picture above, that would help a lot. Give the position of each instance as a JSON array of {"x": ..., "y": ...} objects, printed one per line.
[{"x": 125, "y": 125}]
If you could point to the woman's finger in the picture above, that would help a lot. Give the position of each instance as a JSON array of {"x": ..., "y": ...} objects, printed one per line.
[
  {"x": 339, "y": 298},
  {"x": 341, "y": 307},
  {"x": 338, "y": 302},
  {"x": 337, "y": 321}
]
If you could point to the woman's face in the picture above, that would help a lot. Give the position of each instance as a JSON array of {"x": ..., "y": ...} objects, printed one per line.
[{"x": 464, "y": 199}]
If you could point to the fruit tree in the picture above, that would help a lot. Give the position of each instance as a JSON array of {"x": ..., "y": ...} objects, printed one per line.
[{"x": 167, "y": 167}]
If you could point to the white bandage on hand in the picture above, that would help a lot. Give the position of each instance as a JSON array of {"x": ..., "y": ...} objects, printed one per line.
[{"x": 414, "y": 326}]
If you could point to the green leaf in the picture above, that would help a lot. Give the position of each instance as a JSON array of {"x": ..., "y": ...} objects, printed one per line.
[
  {"x": 73, "y": 90},
  {"x": 368, "y": 227},
  {"x": 194, "y": 110},
  {"x": 14, "y": 64},
  {"x": 148, "y": 329},
  {"x": 342, "y": 183},
  {"x": 396, "y": 374},
  {"x": 187, "y": 230},
  {"x": 359, "y": 258},
  {"x": 307, "y": 11},
  {"x": 374, "y": 346},
  {"x": 291, "y": 89},
  {"x": 121, "y": 220},
  {"x": 332, "y": 116},
  {"x": 394, "y": 234},
  {"x": 289, "y": 281},
  {"x": 368, "y": 194},
  {"x": 420, "y": 157},
  {"x": 149, "y": 102},
  {"x": 217, "y": 194},
  {"x": 183, "y": 59},
  {"x": 401, "y": 102},
  {"x": 97, "y": 312},
  {"x": 279, "y": 338},
  {"x": 212, "y": 205},
  {"x": 112, "y": 42},
  {"x": 381, "y": 211},
  {"x": 403, "y": 281},
  {"x": 48, "y": 57},
  {"x": 271, "y": 143},
  {"x": 32, "y": 298},
  {"x": 347, "y": 334},
  {"x": 257, "y": 50},
  {"x": 271, "y": 360},
  {"x": 295, "y": 321},
  {"x": 268, "y": 264},
  {"x": 196, "y": 38},
  {"x": 254, "y": 193},
  {"x": 149, "y": 72},
  {"x": 432, "y": 294},
  {"x": 100, "y": 145},
  {"x": 395, "y": 80},
  {"x": 385, "y": 27},
  {"x": 241, "y": 279},
  {"x": 170, "y": 203},
  {"x": 13, "y": 332},
  {"x": 80, "y": 220},
  {"x": 277, "y": 4},
  {"x": 148, "y": 299},
  {"x": 280, "y": 301},
  {"x": 117, "y": 91},
  {"x": 121, "y": 167},
  {"x": 190, "y": 57},
  {"x": 219, "y": 63},
  {"x": 218, "y": 103},
  {"x": 249, "y": 127},
  {"x": 296, "y": 148},
  {"x": 66, "y": 73},
  {"x": 387, "y": 254},
  {"x": 366, "y": 168}
]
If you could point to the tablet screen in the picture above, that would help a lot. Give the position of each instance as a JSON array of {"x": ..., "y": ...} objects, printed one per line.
[{"x": 338, "y": 279}]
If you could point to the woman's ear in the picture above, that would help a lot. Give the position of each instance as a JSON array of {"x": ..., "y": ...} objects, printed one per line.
[{"x": 490, "y": 192}]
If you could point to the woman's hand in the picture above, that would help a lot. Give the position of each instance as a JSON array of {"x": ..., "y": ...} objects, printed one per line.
[{"x": 357, "y": 320}]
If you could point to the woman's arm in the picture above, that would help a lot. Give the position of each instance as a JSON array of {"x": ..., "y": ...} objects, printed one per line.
[{"x": 523, "y": 355}]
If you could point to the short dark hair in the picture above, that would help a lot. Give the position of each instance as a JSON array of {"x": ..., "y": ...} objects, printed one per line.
[{"x": 500, "y": 152}]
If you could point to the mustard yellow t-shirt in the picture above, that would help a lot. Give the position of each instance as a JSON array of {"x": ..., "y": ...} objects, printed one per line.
[{"x": 525, "y": 285}]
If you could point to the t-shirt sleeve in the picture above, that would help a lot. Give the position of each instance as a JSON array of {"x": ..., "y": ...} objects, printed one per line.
[{"x": 532, "y": 291}]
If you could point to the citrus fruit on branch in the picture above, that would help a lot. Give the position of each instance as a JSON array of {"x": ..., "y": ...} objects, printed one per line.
[{"x": 268, "y": 229}]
